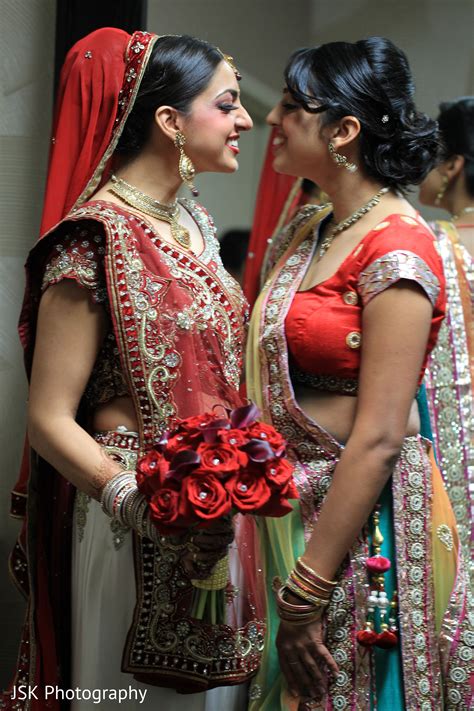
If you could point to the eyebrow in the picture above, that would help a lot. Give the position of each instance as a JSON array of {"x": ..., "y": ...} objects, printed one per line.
[{"x": 232, "y": 92}]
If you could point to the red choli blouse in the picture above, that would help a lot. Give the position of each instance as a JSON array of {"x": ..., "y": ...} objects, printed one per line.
[{"x": 324, "y": 324}]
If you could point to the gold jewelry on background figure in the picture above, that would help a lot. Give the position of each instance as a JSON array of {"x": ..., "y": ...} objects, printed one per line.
[
  {"x": 441, "y": 191},
  {"x": 340, "y": 159},
  {"x": 341, "y": 226},
  {"x": 464, "y": 211},
  {"x": 144, "y": 203},
  {"x": 187, "y": 171}
]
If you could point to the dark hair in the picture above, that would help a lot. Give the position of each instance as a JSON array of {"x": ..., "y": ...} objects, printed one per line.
[
  {"x": 233, "y": 248},
  {"x": 456, "y": 125},
  {"x": 371, "y": 80},
  {"x": 178, "y": 70}
]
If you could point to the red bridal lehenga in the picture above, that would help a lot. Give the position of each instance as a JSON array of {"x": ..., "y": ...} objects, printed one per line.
[{"x": 107, "y": 609}]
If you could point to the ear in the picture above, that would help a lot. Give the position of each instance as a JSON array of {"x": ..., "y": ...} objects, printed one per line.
[
  {"x": 453, "y": 166},
  {"x": 345, "y": 131},
  {"x": 168, "y": 120}
]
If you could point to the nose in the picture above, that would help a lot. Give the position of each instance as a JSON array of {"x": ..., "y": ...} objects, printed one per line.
[
  {"x": 244, "y": 121},
  {"x": 273, "y": 118}
]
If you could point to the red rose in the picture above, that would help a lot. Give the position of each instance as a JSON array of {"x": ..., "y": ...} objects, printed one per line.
[
  {"x": 248, "y": 490},
  {"x": 290, "y": 491},
  {"x": 275, "y": 507},
  {"x": 198, "y": 422},
  {"x": 164, "y": 508},
  {"x": 260, "y": 430},
  {"x": 278, "y": 472},
  {"x": 236, "y": 438},
  {"x": 221, "y": 458},
  {"x": 180, "y": 441},
  {"x": 152, "y": 469},
  {"x": 202, "y": 494}
]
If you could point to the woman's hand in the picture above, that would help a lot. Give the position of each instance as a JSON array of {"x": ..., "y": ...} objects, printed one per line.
[
  {"x": 305, "y": 659},
  {"x": 206, "y": 547}
]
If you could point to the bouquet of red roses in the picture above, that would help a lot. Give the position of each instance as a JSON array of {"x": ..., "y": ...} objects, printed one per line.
[{"x": 209, "y": 466}]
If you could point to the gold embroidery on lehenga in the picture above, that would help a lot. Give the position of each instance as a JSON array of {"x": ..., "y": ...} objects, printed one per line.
[{"x": 445, "y": 535}]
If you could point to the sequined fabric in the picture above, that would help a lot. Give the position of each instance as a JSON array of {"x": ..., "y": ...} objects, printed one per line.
[
  {"x": 450, "y": 387},
  {"x": 393, "y": 266}
]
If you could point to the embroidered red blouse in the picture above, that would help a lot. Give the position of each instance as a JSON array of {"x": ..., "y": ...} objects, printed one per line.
[{"x": 324, "y": 323}]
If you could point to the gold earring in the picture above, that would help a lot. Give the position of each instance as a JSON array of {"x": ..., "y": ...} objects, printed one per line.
[
  {"x": 441, "y": 191},
  {"x": 186, "y": 169},
  {"x": 340, "y": 159}
]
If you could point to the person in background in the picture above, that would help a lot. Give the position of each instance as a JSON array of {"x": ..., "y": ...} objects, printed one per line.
[
  {"x": 233, "y": 250},
  {"x": 450, "y": 375}
]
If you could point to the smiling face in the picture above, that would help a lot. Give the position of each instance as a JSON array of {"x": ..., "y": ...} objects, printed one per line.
[
  {"x": 299, "y": 147},
  {"x": 213, "y": 126}
]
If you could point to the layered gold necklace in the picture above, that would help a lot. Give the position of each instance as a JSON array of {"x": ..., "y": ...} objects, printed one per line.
[
  {"x": 345, "y": 224},
  {"x": 148, "y": 205}
]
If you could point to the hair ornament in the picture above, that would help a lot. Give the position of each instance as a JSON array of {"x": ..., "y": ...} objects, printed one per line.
[
  {"x": 385, "y": 118},
  {"x": 230, "y": 61}
]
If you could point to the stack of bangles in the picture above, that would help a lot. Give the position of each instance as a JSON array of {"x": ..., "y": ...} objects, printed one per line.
[
  {"x": 307, "y": 585},
  {"x": 122, "y": 501}
]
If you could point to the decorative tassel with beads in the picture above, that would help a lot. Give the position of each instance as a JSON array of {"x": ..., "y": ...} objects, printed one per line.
[{"x": 377, "y": 565}]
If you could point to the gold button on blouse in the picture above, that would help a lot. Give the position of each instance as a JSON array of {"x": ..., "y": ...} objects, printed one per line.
[
  {"x": 350, "y": 298},
  {"x": 353, "y": 339}
]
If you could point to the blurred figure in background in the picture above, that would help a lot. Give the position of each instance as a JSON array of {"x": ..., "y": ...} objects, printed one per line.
[
  {"x": 450, "y": 186},
  {"x": 233, "y": 249}
]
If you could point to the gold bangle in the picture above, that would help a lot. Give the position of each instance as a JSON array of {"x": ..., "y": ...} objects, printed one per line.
[{"x": 306, "y": 567}]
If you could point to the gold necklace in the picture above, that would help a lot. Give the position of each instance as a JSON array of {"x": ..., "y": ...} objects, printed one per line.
[
  {"x": 144, "y": 203},
  {"x": 341, "y": 226},
  {"x": 464, "y": 211}
]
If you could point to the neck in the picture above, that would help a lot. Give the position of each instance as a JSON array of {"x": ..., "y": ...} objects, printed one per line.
[
  {"x": 349, "y": 193},
  {"x": 154, "y": 175},
  {"x": 461, "y": 209}
]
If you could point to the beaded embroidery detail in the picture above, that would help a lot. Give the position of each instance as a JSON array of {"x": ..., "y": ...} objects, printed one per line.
[{"x": 393, "y": 266}]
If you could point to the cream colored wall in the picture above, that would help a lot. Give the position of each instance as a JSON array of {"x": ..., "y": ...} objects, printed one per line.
[{"x": 26, "y": 50}]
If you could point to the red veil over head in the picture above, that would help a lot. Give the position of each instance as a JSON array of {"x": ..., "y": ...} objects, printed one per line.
[{"x": 98, "y": 85}]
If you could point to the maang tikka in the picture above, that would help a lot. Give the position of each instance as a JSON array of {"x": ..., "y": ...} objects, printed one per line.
[
  {"x": 186, "y": 169},
  {"x": 340, "y": 159}
]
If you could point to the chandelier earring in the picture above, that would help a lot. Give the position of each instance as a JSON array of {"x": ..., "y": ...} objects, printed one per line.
[
  {"x": 340, "y": 159},
  {"x": 441, "y": 191},
  {"x": 186, "y": 169}
]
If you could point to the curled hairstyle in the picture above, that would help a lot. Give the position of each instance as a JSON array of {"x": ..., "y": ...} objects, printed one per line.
[
  {"x": 179, "y": 69},
  {"x": 456, "y": 125},
  {"x": 370, "y": 80}
]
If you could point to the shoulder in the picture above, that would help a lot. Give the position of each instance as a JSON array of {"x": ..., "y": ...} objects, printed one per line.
[
  {"x": 400, "y": 233},
  {"x": 400, "y": 247},
  {"x": 73, "y": 249}
]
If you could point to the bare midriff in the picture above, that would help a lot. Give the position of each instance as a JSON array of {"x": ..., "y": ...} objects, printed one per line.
[
  {"x": 117, "y": 412},
  {"x": 336, "y": 413}
]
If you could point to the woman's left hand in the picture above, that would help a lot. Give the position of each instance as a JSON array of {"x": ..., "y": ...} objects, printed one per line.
[{"x": 305, "y": 659}]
